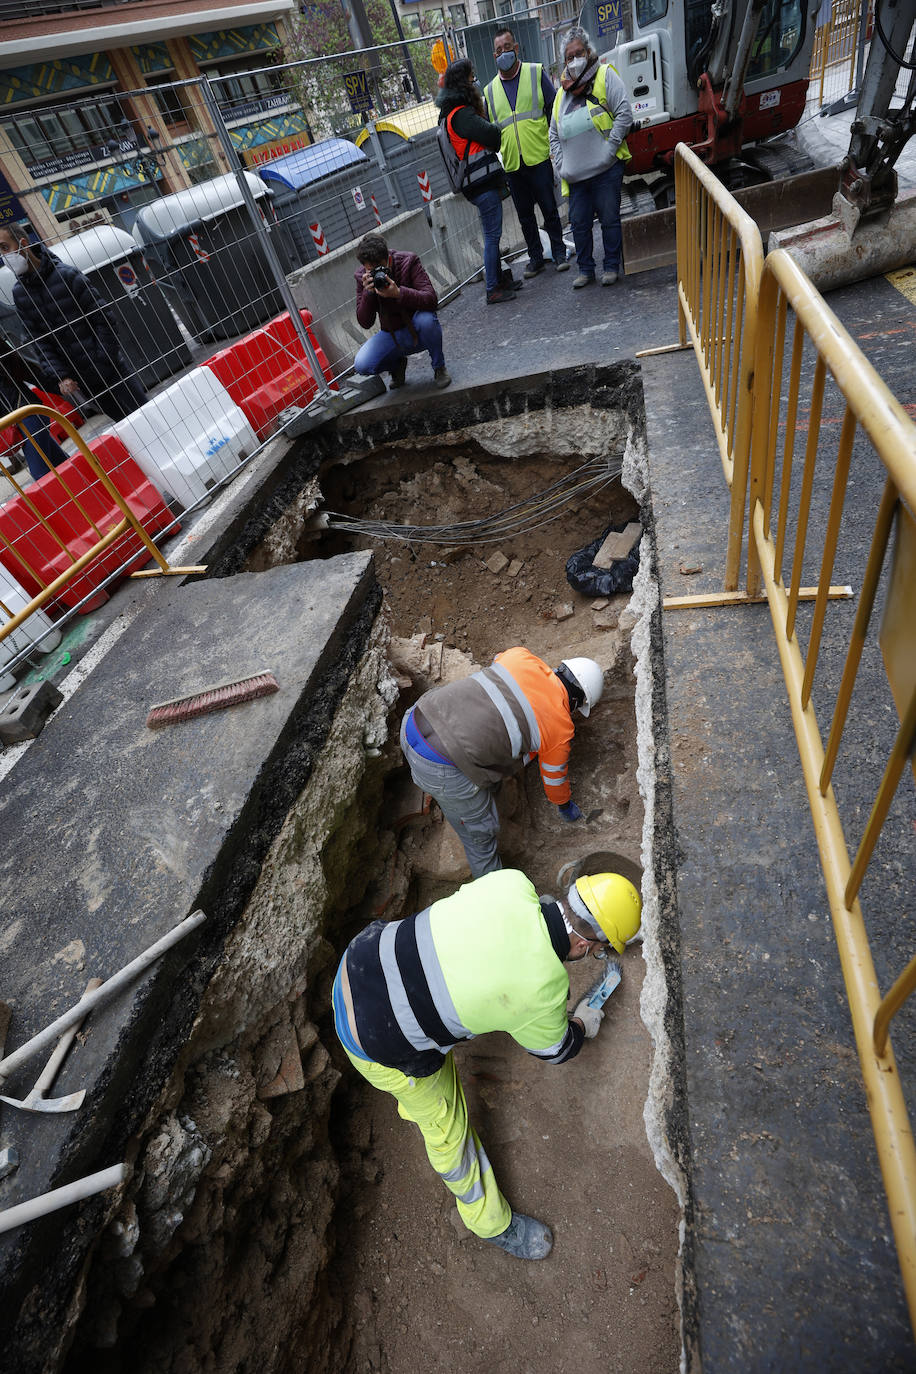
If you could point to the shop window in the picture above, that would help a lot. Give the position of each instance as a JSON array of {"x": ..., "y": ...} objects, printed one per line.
[
  {"x": 458, "y": 16},
  {"x": 175, "y": 115}
]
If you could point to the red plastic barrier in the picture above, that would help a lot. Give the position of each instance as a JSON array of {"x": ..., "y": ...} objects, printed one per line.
[
  {"x": 41, "y": 551},
  {"x": 267, "y": 371},
  {"x": 11, "y": 437}
]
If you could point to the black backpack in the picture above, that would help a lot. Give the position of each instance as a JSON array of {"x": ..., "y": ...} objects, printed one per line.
[{"x": 464, "y": 173}]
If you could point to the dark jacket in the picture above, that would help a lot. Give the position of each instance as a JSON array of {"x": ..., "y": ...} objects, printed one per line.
[
  {"x": 18, "y": 372},
  {"x": 468, "y": 125},
  {"x": 417, "y": 293},
  {"x": 69, "y": 325}
]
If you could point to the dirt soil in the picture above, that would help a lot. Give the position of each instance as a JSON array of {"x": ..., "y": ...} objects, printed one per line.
[{"x": 568, "y": 1143}]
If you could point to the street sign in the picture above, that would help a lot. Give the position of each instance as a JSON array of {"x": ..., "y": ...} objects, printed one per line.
[
  {"x": 357, "y": 87},
  {"x": 359, "y": 199},
  {"x": 609, "y": 17},
  {"x": 128, "y": 278},
  {"x": 10, "y": 208}
]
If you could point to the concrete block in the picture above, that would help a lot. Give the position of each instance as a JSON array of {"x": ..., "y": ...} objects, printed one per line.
[
  {"x": 27, "y": 711},
  {"x": 618, "y": 545},
  {"x": 496, "y": 562},
  {"x": 563, "y": 611}
]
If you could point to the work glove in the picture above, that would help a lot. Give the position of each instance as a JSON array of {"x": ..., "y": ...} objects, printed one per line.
[
  {"x": 569, "y": 811},
  {"x": 591, "y": 1018}
]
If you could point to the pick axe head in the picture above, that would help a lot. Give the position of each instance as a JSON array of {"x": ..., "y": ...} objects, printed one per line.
[{"x": 35, "y": 1101}]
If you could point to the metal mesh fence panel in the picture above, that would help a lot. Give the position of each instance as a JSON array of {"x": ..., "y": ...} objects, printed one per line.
[{"x": 180, "y": 330}]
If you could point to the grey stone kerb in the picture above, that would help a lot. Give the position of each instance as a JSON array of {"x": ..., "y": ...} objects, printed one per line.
[{"x": 110, "y": 833}]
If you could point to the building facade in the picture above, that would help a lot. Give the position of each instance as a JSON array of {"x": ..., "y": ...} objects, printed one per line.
[{"x": 101, "y": 108}]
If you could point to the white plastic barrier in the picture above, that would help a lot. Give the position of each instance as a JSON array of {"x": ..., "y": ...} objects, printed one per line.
[
  {"x": 14, "y": 598},
  {"x": 188, "y": 437}
]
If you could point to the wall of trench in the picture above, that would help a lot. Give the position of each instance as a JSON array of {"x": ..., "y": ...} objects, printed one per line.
[{"x": 219, "y": 1255}]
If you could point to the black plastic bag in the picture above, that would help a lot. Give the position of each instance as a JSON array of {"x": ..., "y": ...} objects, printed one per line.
[{"x": 592, "y": 581}]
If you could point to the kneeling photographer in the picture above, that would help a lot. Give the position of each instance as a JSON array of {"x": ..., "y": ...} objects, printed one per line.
[{"x": 394, "y": 288}]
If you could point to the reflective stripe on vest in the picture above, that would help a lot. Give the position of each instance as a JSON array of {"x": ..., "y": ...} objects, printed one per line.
[
  {"x": 524, "y": 129},
  {"x": 503, "y": 690}
]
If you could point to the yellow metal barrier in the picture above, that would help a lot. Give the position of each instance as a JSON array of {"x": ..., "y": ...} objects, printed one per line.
[
  {"x": 789, "y": 304},
  {"x": 719, "y": 262},
  {"x": 104, "y": 538}
]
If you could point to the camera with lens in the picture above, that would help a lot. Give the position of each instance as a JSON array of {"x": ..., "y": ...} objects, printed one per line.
[{"x": 380, "y": 278}]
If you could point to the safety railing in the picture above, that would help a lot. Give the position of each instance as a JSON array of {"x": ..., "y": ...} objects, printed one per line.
[
  {"x": 720, "y": 259},
  {"x": 833, "y": 58},
  {"x": 38, "y": 535},
  {"x": 821, "y": 386}
]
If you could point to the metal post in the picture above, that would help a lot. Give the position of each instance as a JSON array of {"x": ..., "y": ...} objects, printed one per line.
[
  {"x": 406, "y": 51},
  {"x": 263, "y": 233},
  {"x": 375, "y": 144}
]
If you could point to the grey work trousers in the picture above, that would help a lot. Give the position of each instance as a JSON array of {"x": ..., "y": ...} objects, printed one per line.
[{"x": 470, "y": 810}]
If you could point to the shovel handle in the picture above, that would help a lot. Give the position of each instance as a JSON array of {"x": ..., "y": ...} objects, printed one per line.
[{"x": 59, "y": 1053}]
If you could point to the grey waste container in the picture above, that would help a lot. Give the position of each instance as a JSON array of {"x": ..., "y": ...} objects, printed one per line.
[
  {"x": 329, "y": 184},
  {"x": 203, "y": 247},
  {"x": 147, "y": 329}
]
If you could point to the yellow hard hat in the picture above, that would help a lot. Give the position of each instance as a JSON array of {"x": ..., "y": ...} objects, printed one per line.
[{"x": 613, "y": 907}]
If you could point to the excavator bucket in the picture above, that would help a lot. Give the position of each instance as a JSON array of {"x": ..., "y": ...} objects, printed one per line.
[{"x": 650, "y": 240}]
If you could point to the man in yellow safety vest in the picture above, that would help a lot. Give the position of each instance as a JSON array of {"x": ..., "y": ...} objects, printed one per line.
[{"x": 520, "y": 99}]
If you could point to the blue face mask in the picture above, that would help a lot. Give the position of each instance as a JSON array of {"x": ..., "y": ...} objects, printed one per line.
[{"x": 506, "y": 61}]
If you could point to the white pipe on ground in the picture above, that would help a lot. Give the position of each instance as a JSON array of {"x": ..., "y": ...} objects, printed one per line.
[
  {"x": 105, "y": 993},
  {"x": 62, "y": 1197}
]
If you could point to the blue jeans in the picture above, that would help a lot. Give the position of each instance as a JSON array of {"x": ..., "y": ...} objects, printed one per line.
[
  {"x": 384, "y": 349},
  {"x": 599, "y": 196},
  {"x": 530, "y": 187},
  {"x": 490, "y": 209},
  {"x": 40, "y": 429}
]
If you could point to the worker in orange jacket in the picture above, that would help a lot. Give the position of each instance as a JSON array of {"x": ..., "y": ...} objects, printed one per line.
[{"x": 461, "y": 739}]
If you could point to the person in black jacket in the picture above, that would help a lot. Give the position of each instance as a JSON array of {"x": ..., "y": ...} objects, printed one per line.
[
  {"x": 462, "y": 110},
  {"x": 16, "y": 376},
  {"x": 69, "y": 326}
]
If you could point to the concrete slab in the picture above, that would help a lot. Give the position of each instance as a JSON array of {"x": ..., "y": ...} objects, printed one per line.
[{"x": 110, "y": 833}]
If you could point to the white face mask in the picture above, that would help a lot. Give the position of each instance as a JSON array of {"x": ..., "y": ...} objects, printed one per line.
[
  {"x": 16, "y": 262},
  {"x": 576, "y": 66}
]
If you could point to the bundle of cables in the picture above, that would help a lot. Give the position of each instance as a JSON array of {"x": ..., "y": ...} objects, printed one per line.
[{"x": 536, "y": 510}]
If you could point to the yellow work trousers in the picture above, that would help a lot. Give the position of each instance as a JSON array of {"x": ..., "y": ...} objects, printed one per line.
[{"x": 437, "y": 1105}]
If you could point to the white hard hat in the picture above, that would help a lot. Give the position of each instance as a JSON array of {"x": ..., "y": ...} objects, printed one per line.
[{"x": 590, "y": 677}]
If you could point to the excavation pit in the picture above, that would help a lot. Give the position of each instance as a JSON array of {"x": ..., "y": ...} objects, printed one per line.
[{"x": 279, "y": 1211}]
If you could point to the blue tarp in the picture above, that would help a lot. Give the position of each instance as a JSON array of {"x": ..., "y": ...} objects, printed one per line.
[{"x": 306, "y": 165}]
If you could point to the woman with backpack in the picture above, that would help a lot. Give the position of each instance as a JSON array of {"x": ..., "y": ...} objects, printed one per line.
[
  {"x": 588, "y": 127},
  {"x": 475, "y": 144}
]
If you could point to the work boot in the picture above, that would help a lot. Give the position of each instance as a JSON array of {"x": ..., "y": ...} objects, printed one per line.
[
  {"x": 583, "y": 279},
  {"x": 525, "y": 1238},
  {"x": 608, "y": 278},
  {"x": 499, "y": 295},
  {"x": 534, "y": 269},
  {"x": 507, "y": 281},
  {"x": 441, "y": 377},
  {"x": 398, "y": 373},
  {"x": 561, "y": 264}
]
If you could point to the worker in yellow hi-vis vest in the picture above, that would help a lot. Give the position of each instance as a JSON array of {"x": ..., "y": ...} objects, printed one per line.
[
  {"x": 588, "y": 127},
  {"x": 519, "y": 99},
  {"x": 489, "y": 958}
]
